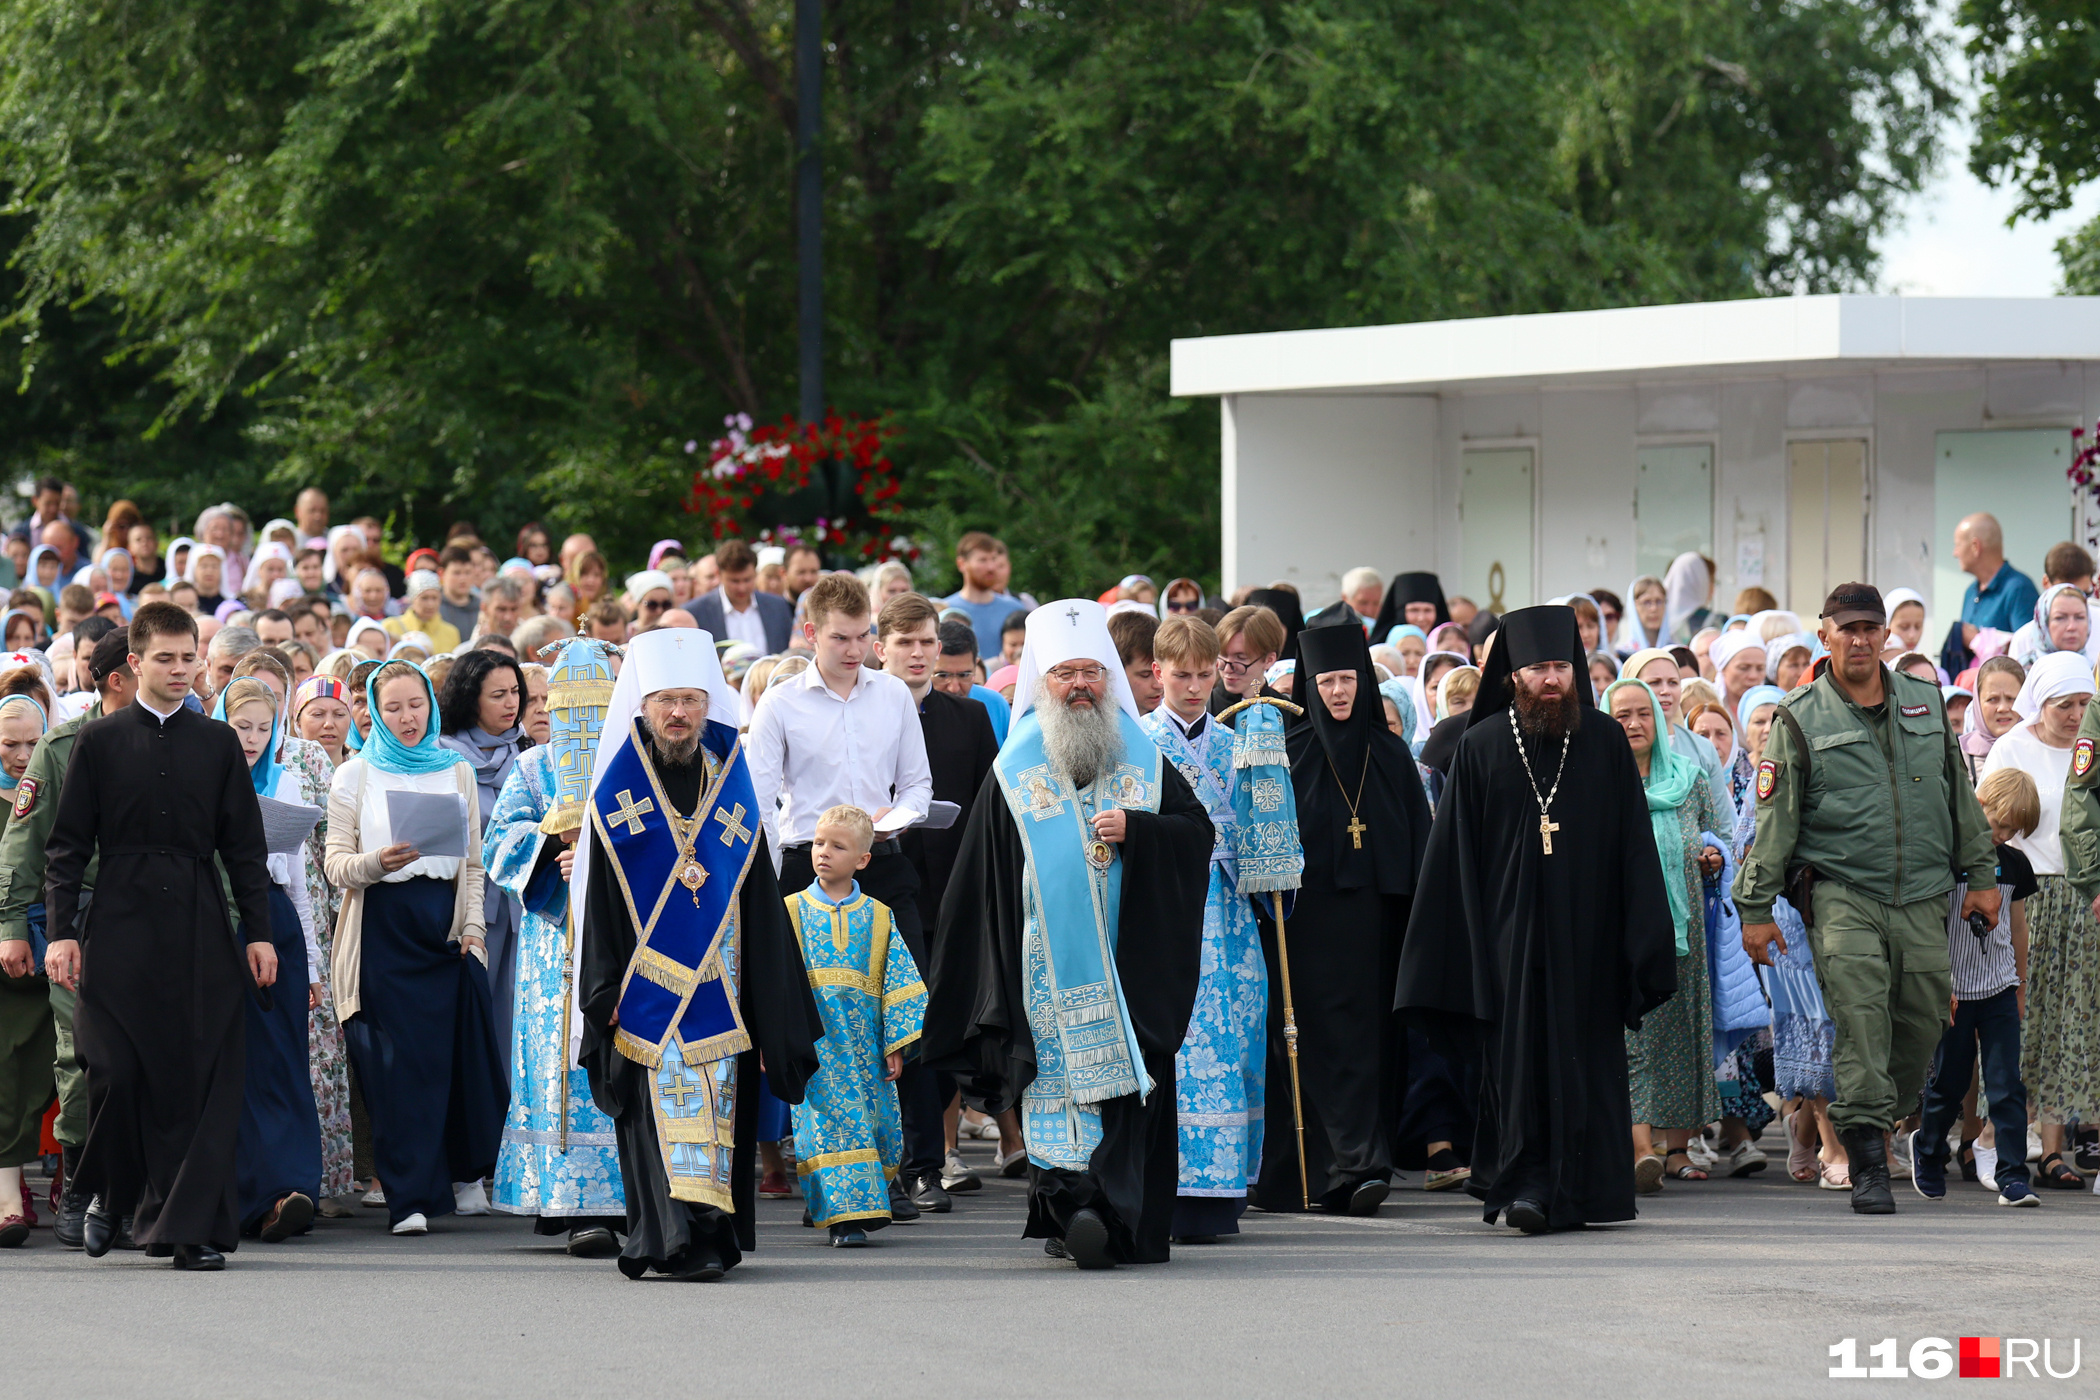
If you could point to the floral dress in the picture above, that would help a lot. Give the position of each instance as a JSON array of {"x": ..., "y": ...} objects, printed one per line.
[
  {"x": 1670, "y": 1059},
  {"x": 327, "y": 1059}
]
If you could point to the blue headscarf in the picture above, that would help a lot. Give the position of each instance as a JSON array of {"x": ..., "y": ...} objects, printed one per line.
[
  {"x": 1669, "y": 785},
  {"x": 1747, "y": 706},
  {"x": 1405, "y": 629},
  {"x": 8, "y": 781},
  {"x": 1403, "y": 700},
  {"x": 263, "y": 772},
  {"x": 384, "y": 750}
]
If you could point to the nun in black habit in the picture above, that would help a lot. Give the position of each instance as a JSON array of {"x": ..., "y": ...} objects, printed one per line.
[
  {"x": 1405, "y": 589},
  {"x": 1544, "y": 936},
  {"x": 1364, "y": 821}
]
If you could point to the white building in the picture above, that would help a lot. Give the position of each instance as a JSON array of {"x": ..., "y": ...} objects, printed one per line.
[{"x": 1797, "y": 442}]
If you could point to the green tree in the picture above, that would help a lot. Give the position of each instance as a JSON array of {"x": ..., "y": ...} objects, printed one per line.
[
  {"x": 2038, "y": 117},
  {"x": 491, "y": 258}
]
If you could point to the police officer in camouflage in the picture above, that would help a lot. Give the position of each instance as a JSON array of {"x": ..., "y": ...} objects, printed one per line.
[{"x": 1864, "y": 818}]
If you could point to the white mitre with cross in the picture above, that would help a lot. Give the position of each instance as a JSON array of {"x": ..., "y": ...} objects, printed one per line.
[{"x": 1070, "y": 629}]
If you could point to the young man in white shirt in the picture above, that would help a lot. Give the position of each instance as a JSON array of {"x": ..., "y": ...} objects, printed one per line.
[{"x": 840, "y": 734}]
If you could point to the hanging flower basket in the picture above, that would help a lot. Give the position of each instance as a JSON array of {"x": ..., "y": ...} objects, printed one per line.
[{"x": 829, "y": 485}]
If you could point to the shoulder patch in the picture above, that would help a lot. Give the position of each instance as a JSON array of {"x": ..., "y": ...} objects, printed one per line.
[
  {"x": 2081, "y": 759},
  {"x": 1767, "y": 779},
  {"x": 26, "y": 790},
  {"x": 1916, "y": 711}
]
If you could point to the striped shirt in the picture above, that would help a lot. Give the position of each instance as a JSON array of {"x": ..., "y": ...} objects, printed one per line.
[{"x": 1984, "y": 967}]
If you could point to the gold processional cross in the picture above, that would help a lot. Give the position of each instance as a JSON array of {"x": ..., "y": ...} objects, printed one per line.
[
  {"x": 631, "y": 812},
  {"x": 1547, "y": 827}
]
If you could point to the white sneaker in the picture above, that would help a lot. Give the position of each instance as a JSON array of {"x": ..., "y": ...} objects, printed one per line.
[
  {"x": 1987, "y": 1167},
  {"x": 374, "y": 1198},
  {"x": 469, "y": 1198},
  {"x": 1744, "y": 1159},
  {"x": 413, "y": 1225},
  {"x": 2034, "y": 1144},
  {"x": 1702, "y": 1154}
]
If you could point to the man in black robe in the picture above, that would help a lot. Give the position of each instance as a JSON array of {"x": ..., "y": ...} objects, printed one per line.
[
  {"x": 1364, "y": 822},
  {"x": 159, "y": 790},
  {"x": 1544, "y": 932},
  {"x": 988, "y": 952},
  {"x": 676, "y": 681}
]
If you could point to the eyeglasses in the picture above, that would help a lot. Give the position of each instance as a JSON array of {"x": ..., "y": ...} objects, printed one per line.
[
  {"x": 964, "y": 677},
  {"x": 1226, "y": 663},
  {"x": 1075, "y": 675}
]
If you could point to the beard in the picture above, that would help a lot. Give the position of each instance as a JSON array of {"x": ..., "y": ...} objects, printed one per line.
[
  {"x": 675, "y": 753},
  {"x": 1539, "y": 718},
  {"x": 1081, "y": 744}
]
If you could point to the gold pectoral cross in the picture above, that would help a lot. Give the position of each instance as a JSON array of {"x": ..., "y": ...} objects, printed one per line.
[
  {"x": 1356, "y": 830},
  {"x": 1547, "y": 826}
]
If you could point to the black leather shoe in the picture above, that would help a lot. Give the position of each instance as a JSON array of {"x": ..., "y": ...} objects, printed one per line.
[
  {"x": 160, "y": 1251},
  {"x": 1086, "y": 1241},
  {"x": 98, "y": 1229},
  {"x": 927, "y": 1195},
  {"x": 1868, "y": 1151},
  {"x": 697, "y": 1266},
  {"x": 125, "y": 1239},
  {"x": 69, "y": 1229},
  {"x": 593, "y": 1242},
  {"x": 1368, "y": 1197},
  {"x": 902, "y": 1209},
  {"x": 199, "y": 1258},
  {"x": 1527, "y": 1215}
]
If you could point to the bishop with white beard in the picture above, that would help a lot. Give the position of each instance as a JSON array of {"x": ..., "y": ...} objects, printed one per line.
[{"x": 1069, "y": 946}]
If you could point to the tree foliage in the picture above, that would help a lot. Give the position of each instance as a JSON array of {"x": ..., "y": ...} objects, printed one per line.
[
  {"x": 492, "y": 258},
  {"x": 2038, "y": 120}
]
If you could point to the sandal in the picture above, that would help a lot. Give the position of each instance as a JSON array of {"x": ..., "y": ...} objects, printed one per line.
[
  {"x": 1648, "y": 1175},
  {"x": 2059, "y": 1176},
  {"x": 14, "y": 1226},
  {"x": 1687, "y": 1172},
  {"x": 1834, "y": 1176},
  {"x": 1800, "y": 1156}
]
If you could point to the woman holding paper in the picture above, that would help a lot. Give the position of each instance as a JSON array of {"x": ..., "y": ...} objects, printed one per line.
[
  {"x": 410, "y": 980},
  {"x": 278, "y": 1165}
]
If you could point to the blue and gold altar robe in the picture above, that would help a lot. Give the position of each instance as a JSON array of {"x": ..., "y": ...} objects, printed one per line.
[
  {"x": 849, "y": 1139},
  {"x": 559, "y": 1156}
]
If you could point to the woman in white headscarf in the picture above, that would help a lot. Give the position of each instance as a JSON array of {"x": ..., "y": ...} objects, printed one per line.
[
  {"x": 2062, "y": 621},
  {"x": 1647, "y": 607},
  {"x": 1906, "y": 611},
  {"x": 1690, "y": 585},
  {"x": 2051, "y": 706}
]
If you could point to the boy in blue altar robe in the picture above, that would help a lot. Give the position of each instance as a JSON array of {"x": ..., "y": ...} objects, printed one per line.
[
  {"x": 560, "y": 1160},
  {"x": 1220, "y": 1068},
  {"x": 849, "y": 1139}
]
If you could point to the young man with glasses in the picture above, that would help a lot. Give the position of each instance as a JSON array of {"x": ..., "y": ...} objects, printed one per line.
[
  {"x": 1249, "y": 640},
  {"x": 957, "y": 673}
]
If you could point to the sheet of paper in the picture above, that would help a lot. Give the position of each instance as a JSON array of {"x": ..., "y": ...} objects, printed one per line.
[
  {"x": 435, "y": 823},
  {"x": 286, "y": 824},
  {"x": 897, "y": 819},
  {"x": 940, "y": 816}
]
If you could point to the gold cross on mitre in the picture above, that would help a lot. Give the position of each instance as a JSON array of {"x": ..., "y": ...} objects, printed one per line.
[
  {"x": 631, "y": 812},
  {"x": 733, "y": 827}
]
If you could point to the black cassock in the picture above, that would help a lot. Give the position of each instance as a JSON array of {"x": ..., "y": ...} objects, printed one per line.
[
  {"x": 1344, "y": 936},
  {"x": 977, "y": 1012},
  {"x": 160, "y": 1026},
  {"x": 779, "y": 1011},
  {"x": 1546, "y": 960}
]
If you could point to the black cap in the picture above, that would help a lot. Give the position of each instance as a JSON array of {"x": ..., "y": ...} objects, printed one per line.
[
  {"x": 110, "y": 654},
  {"x": 1855, "y": 602}
]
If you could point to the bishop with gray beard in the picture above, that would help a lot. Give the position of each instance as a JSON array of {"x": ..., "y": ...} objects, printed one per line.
[
  {"x": 1060, "y": 946},
  {"x": 1544, "y": 933}
]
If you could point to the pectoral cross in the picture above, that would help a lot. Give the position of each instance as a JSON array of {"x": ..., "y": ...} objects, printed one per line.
[
  {"x": 1356, "y": 831},
  {"x": 733, "y": 827},
  {"x": 631, "y": 812},
  {"x": 1547, "y": 826}
]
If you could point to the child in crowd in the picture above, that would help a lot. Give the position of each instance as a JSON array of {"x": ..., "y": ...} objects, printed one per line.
[
  {"x": 849, "y": 1138},
  {"x": 1990, "y": 998}
]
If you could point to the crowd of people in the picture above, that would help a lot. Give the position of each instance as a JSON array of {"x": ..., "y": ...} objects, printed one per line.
[{"x": 1188, "y": 903}]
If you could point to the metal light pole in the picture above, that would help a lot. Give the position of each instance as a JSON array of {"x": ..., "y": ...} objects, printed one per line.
[{"x": 809, "y": 200}]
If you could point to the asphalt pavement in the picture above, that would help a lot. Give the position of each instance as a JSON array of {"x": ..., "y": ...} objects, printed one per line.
[{"x": 1721, "y": 1288}]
